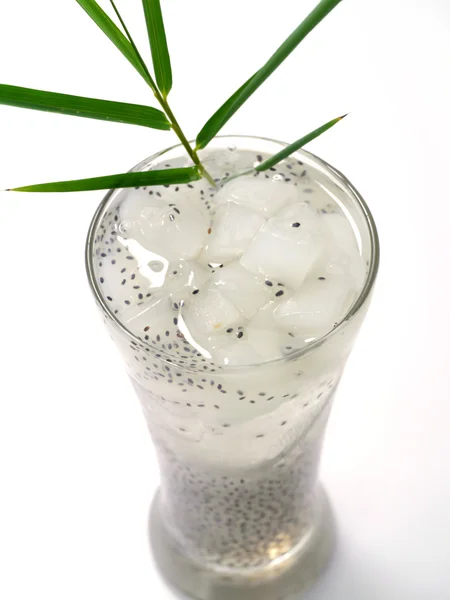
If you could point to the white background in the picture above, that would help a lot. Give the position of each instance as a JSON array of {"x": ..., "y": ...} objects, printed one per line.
[{"x": 77, "y": 470}]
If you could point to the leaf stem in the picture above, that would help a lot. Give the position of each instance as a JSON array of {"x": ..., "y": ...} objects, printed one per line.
[{"x": 179, "y": 132}]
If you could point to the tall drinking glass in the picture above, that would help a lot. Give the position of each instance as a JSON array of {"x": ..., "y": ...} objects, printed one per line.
[{"x": 239, "y": 513}]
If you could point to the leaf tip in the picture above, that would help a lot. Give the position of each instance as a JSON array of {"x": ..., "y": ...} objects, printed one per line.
[{"x": 343, "y": 117}]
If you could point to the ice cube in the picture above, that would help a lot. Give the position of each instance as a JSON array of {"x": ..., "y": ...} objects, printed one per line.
[
  {"x": 342, "y": 255},
  {"x": 246, "y": 291},
  {"x": 183, "y": 279},
  {"x": 286, "y": 247},
  {"x": 340, "y": 230},
  {"x": 264, "y": 318},
  {"x": 147, "y": 320},
  {"x": 236, "y": 354},
  {"x": 266, "y": 342},
  {"x": 264, "y": 196},
  {"x": 337, "y": 262},
  {"x": 172, "y": 230},
  {"x": 210, "y": 312},
  {"x": 264, "y": 334},
  {"x": 316, "y": 308},
  {"x": 232, "y": 231},
  {"x": 215, "y": 342}
]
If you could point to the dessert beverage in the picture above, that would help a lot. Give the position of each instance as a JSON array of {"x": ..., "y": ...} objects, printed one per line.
[{"x": 235, "y": 309}]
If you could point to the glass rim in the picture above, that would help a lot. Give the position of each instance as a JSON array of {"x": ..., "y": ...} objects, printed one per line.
[{"x": 353, "y": 310}]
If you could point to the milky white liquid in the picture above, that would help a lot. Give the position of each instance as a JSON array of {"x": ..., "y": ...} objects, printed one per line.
[{"x": 224, "y": 291}]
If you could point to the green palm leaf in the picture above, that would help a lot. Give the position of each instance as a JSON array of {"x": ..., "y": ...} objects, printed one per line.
[
  {"x": 122, "y": 180},
  {"x": 279, "y": 156},
  {"x": 158, "y": 45},
  {"x": 227, "y": 110},
  {"x": 204, "y": 137},
  {"x": 108, "y": 27},
  {"x": 78, "y": 106}
]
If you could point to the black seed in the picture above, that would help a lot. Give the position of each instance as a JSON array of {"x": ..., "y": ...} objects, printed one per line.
[
  {"x": 296, "y": 224},
  {"x": 240, "y": 334},
  {"x": 102, "y": 280},
  {"x": 195, "y": 292},
  {"x": 109, "y": 298},
  {"x": 321, "y": 278},
  {"x": 280, "y": 293},
  {"x": 259, "y": 158},
  {"x": 269, "y": 283}
]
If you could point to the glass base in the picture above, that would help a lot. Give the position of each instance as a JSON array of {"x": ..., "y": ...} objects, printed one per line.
[{"x": 287, "y": 576}]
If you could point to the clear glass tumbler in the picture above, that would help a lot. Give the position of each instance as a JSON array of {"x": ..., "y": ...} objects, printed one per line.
[{"x": 239, "y": 514}]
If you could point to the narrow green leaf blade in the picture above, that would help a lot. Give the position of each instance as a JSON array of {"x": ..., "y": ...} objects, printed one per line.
[
  {"x": 158, "y": 45},
  {"x": 133, "y": 45},
  {"x": 78, "y": 106},
  {"x": 227, "y": 110},
  {"x": 204, "y": 137},
  {"x": 122, "y": 180},
  {"x": 110, "y": 29},
  {"x": 285, "y": 152}
]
